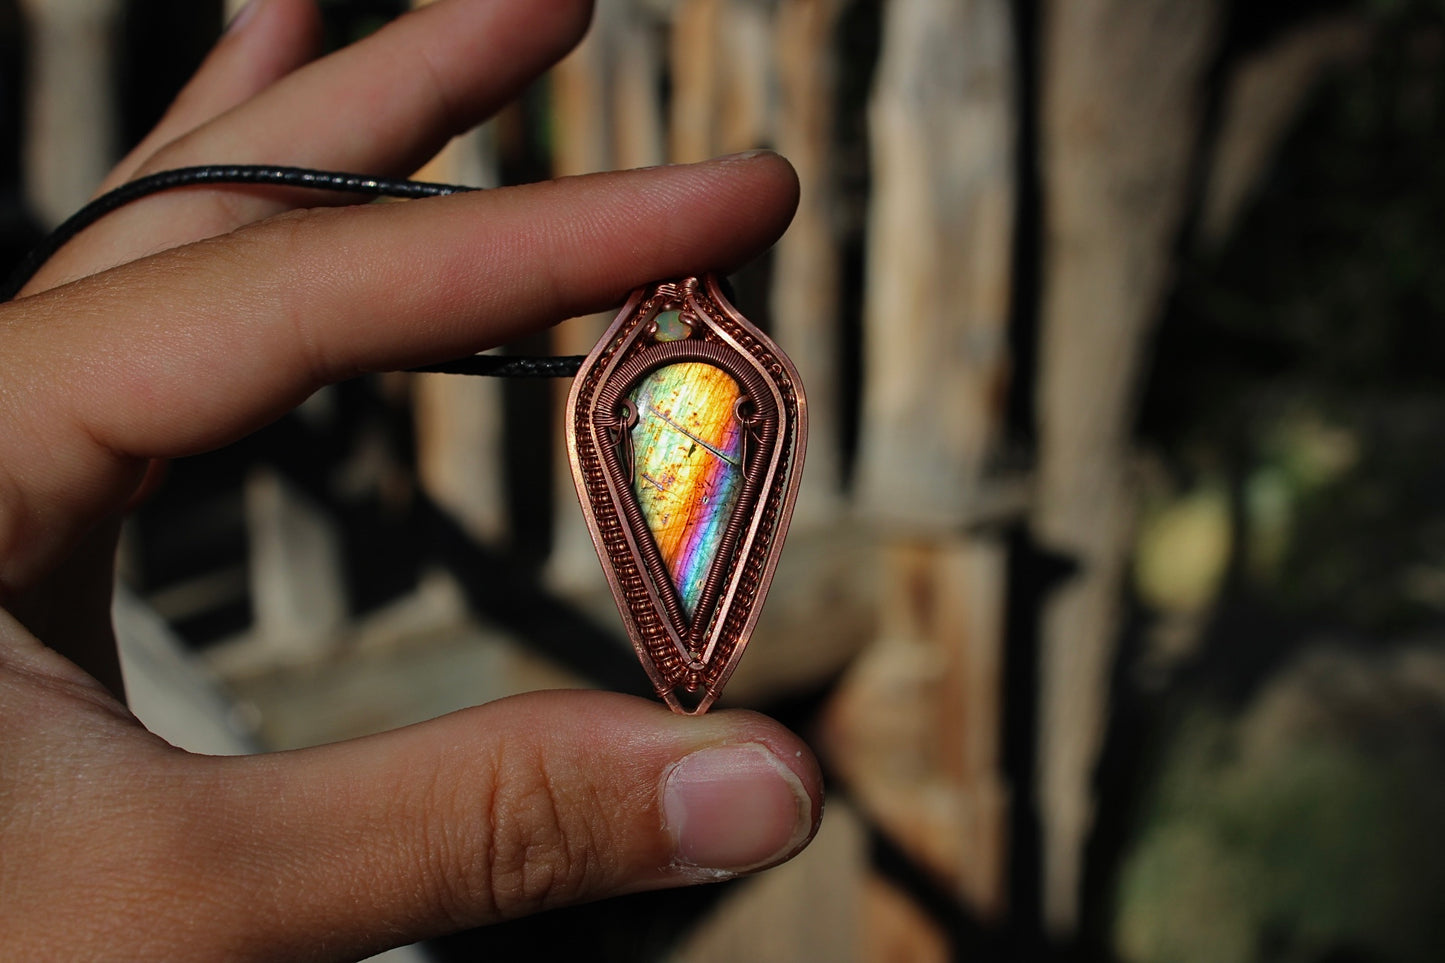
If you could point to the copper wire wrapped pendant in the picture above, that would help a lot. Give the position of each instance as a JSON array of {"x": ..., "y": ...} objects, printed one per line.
[{"x": 686, "y": 428}]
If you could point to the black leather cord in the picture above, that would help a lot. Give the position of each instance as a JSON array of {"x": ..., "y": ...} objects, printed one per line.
[
  {"x": 503, "y": 366},
  {"x": 492, "y": 365}
]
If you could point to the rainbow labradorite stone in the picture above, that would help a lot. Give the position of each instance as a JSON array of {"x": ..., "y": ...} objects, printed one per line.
[{"x": 687, "y": 448}]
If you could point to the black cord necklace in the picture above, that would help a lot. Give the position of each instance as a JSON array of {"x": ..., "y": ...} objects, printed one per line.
[{"x": 562, "y": 366}]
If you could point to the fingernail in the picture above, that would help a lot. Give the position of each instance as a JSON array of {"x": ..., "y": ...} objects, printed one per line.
[
  {"x": 242, "y": 16},
  {"x": 731, "y": 809},
  {"x": 746, "y": 155}
]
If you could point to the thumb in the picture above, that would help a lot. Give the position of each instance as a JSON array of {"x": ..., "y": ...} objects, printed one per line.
[{"x": 499, "y": 811}]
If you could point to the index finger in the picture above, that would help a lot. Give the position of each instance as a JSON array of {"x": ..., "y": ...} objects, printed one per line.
[{"x": 195, "y": 347}]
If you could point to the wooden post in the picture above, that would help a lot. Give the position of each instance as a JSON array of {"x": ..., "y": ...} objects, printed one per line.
[
  {"x": 459, "y": 451},
  {"x": 459, "y": 431},
  {"x": 896, "y": 929},
  {"x": 297, "y": 585},
  {"x": 746, "y": 98},
  {"x": 916, "y": 726},
  {"x": 70, "y": 131},
  {"x": 1120, "y": 117},
  {"x": 806, "y": 267},
  {"x": 747, "y": 75},
  {"x": 938, "y": 280},
  {"x": 638, "y": 139},
  {"x": 693, "y": 57},
  {"x": 723, "y": 97},
  {"x": 169, "y": 689},
  {"x": 586, "y": 101}
]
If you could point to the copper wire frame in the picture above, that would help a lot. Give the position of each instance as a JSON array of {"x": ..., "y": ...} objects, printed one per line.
[{"x": 687, "y": 656}]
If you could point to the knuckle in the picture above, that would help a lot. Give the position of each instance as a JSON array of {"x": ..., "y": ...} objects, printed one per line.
[
  {"x": 282, "y": 242},
  {"x": 533, "y": 844}
]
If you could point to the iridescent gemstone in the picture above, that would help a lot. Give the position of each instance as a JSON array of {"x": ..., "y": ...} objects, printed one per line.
[
  {"x": 671, "y": 327},
  {"x": 688, "y": 459}
]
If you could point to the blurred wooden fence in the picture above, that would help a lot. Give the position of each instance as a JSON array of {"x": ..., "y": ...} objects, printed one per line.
[{"x": 960, "y": 419}]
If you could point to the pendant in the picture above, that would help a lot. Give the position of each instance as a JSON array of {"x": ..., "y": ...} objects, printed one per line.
[{"x": 686, "y": 428}]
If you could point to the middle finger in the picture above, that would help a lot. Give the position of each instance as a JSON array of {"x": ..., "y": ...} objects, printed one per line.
[
  {"x": 383, "y": 105},
  {"x": 388, "y": 102}
]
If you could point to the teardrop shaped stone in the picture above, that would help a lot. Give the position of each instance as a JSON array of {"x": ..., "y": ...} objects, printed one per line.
[{"x": 687, "y": 457}]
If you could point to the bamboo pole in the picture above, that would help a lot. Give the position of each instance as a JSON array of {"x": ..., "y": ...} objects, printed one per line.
[{"x": 1120, "y": 117}]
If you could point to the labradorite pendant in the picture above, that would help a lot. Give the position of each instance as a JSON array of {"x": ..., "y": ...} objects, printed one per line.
[
  {"x": 687, "y": 466},
  {"x": 686, "y": 428}
]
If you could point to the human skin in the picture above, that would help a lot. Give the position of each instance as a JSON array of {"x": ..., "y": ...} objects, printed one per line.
[{"x": 185, "y": 321}]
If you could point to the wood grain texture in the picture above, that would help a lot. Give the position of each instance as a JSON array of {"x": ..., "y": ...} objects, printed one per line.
[
  {"x": 915, "y": 726},
  {"x": 940, "y": 236}
]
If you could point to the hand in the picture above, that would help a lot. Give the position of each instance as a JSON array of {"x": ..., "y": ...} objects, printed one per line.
[{"x": 183, "y": 322}]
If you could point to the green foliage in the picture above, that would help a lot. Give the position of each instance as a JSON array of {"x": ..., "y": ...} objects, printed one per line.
[
  {"x": 1305, "y": 827},
  {"x": 1327, "y": 310},
  {"x": 1303, "y": 363}
]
